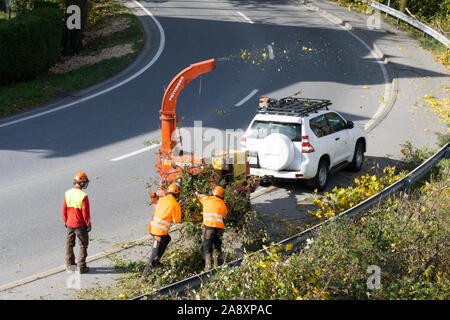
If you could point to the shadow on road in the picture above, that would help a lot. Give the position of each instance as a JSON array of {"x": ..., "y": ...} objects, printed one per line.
[
  {"x": 320, "y": 61},
  {"x": 102, "y": 270},
  {"x": 285, "y": 210}
]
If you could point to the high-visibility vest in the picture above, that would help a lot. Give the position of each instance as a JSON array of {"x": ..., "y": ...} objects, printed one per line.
[
  {"x": 214, "y": 211},
  {"x": 76, "y": 212},
  {"x": 167, "y": 210}
]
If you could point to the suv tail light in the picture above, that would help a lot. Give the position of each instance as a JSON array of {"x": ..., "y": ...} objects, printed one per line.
[
  {"x": 243, "y": 142},
  {"x": 306, "y": 146}
]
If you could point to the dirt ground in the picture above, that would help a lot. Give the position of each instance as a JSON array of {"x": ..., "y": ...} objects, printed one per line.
[{"x": 76, "y": 62}]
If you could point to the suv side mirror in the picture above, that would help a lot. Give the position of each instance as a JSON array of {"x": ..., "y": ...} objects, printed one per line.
[{"x": 350, "y": 124}]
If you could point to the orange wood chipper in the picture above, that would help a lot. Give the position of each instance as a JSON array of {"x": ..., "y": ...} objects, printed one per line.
[{"x": 231, "y": 164}]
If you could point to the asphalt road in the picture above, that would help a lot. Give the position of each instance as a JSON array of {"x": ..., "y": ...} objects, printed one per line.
[{"x": 39, "y": 156}]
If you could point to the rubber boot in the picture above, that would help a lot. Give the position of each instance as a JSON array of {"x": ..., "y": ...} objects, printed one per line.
[
  {"x": 84, "y": 269},
  {"x": 217, "y": 255},
  {"x": 208, "y": 258}
]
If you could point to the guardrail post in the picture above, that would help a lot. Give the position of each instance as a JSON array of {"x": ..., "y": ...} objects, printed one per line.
[{"x": 407, "y": 187}]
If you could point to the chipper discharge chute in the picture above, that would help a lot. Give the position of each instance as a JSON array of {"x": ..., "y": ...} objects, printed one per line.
[{"x": 231, "y": 164}]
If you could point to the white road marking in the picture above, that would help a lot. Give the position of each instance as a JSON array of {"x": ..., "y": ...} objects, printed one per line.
[
  {"x": 245, "y": 17},
  {"x": 251, "y": 94},
  {"x": 135, "y": 152},
  {"x": 158, "y": 53},
  {"x": 271, "y": 55}
]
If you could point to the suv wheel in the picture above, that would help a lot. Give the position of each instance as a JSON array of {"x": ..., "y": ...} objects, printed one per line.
[
  {"x": 319, "y": 182},
  {"x": 358, "y": 158}
]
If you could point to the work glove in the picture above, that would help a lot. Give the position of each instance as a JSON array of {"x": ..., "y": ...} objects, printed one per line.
[{"x": 88, "y": 228}]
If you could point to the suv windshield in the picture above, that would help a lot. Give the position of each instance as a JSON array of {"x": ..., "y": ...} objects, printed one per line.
[{"x": 261, "y": 129}]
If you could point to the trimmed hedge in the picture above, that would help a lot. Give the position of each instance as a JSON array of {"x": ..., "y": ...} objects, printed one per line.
[{"x": 30, "y": 43}]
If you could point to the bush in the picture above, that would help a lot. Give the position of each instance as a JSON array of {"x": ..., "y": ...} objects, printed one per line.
[
  {"x": 341, "y": 199},
  {"x": 21, "y": 6},
  {"x": 241, "y": 218},
  {"x": 31, "y": 43},
  {"x": 406, "y": 239},
  {"x": 432, "y": 12}
]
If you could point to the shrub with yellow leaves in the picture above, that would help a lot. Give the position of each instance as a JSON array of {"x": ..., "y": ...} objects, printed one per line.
[
  {"x": 440, "y": 108},
  {"x": 341, "y": 199},
  {"x": 444, "y": 58}
]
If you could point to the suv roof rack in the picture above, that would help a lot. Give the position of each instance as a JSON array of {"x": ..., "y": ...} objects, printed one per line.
[{"x": 291, "y": 106}]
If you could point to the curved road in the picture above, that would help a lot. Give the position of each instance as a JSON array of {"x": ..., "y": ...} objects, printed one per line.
[{"x": 39, "y": 156}]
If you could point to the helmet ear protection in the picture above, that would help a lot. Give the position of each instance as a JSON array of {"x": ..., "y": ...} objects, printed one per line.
[
  {"x": 81, "y": 179},
  {"x": 82, "y": 184},
  {"x": 174, "y": 189},
  {"x": 218, "y": 192}
]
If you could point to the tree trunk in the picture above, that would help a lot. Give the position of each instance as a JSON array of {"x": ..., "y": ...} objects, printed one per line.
[
  {"x": 72, "y": 39},
  {"x": 403, "y": 4}
]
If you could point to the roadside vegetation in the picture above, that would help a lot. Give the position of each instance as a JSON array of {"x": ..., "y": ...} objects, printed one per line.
[
  {"x": 434, "y": 13},
  {"x": 111, "y": 39},
  {"x": 406, "y": 238},
  {"x": 5, "y": 16},
  {"x": 244, "y": 232}
]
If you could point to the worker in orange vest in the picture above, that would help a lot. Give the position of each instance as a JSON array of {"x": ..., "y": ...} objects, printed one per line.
[
  {"x": 77, "y": 219},
  {"x": 167, "y": 211},
  {"x": 214, "y": 211}
]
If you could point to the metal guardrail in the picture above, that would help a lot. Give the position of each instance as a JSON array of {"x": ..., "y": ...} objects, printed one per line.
[
  {"x": 299, "y": 240},
  {"x": 416, "y": 23}
]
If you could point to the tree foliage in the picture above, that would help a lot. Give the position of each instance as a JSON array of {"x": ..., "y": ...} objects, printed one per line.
[{"x": 30, "y": 43}]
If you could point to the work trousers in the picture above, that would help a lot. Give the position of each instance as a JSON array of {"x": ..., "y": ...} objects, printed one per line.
[
  {"x": 159, "y": 247},
  {"x": 212, "y": 239},
  {"x": 83, "y": 242}
]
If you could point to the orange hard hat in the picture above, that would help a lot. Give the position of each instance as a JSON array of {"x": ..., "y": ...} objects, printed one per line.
[
  {"x": 81, "y": 177},
  {"x": 173, "y": 188},
  {"x": 218, "y": 191}
]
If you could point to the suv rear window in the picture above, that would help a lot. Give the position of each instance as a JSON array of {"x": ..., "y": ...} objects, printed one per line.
[{"x": 261, "y": 129}]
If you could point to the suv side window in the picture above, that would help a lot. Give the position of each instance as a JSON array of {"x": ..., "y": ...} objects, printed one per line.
[
  {"x": 336, "y": 122},
  {"x": 319, "y": 125}
]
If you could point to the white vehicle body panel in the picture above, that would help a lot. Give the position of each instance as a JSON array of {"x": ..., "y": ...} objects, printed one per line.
[{"x": 338, "y": 146}]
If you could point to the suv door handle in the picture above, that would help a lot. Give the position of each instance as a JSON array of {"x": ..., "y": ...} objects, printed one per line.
[{"x": 337, "y": 139}]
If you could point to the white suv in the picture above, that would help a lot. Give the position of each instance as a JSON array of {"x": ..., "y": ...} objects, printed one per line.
[{"x": 298, "y": 138}]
